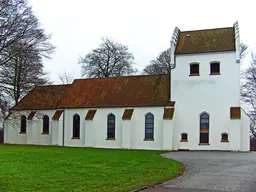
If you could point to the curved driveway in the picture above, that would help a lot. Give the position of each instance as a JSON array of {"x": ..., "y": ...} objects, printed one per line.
[{"x": 212, "y": 172}]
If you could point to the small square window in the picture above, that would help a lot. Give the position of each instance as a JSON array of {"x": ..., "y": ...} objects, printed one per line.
[
  {"x": 224, "y": 137},
  {"x": 184, "y": 137},
  {"x": 215, "y": 68},
  {"x": 194, "y": 69}
]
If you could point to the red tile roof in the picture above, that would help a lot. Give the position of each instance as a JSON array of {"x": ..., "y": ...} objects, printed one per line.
[
  {"x": 127, "y": 91},
  {"x": 42, "y": 97},
  {"x": 208, "y": 40},
  {"x": 127, "y": 114},
  {"x": 57, "y": 115},
  {"x": 143, "y": 90}
]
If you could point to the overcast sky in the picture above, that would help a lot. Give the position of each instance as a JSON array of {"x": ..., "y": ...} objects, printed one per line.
[{"x": 146, "y": 26}]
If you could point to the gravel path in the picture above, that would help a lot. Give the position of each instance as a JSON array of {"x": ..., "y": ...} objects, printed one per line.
[{"x": 212, "y": 172}]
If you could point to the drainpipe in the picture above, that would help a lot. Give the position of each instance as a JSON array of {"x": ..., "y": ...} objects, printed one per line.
[{"x": 63, "y": 128}]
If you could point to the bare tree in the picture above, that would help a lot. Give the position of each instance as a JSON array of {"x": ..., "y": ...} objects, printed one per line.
[
  {"x": 110, "y": 59},
  {"x": 19, "y": 25},
  {"x": 160, "y": 65},
  {"x": 66, "y": 78},
  {"x": 248, "y": 92},
  {"x": 23, "y": 45},
  {"x": 22, "y": 72},
  {"x": 243, "y": 50}
]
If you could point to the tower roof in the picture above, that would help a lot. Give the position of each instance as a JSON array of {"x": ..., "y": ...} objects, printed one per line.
[{"x": 207, "y": 40}]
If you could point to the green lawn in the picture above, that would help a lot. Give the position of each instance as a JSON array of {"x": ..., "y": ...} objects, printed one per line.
[{"x": 38, "y": 168}]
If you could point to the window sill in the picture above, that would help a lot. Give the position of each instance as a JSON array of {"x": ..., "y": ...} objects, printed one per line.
[
  {"x": 45, "y": 133},
  {"x": 183, "y": 140},
  {"x": 148, "y": 139},
  {"x": 224, "y": 141},
  {"x": 75, "y": 138},
  {"x": 23, "y": 133},
  {"x": 111, "y": 139},
  {"x": 194, "y": 74},
  {"x": 204, "y": 144},
  {"x": 216, "y": 73}
]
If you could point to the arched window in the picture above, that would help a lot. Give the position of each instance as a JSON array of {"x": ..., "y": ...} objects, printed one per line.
[
  {"x": 194, "y": 69},
  {"x": 184, "y": 137},
  {"x": 204, "y": 128},
  {"x": 45, "y": 124},
  {"x": 149, "y": 126},
  {"x": 76, "y": 126},
  {"x": 23, "y": 124},
  {"x": 111, "y": 126},
  {"x": 224, "y": 137}
]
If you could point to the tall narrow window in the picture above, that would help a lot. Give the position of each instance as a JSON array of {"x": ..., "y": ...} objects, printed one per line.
[
  {"x": 45, "y": 124},
  {"x": 76, "y": 126},
  {"x": 23, "y": 124},
  {"x": 215, "y": 68},
  {"x": 111, "y": 126},
  {"x": 149, "y": 126},
  {"x": 194, "y": 69},
  {"x": 204, "y": 128}
]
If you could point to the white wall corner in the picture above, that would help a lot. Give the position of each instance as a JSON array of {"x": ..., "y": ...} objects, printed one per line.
[
  {"x": 235, "y": 134},
  {"x": 237, "y": 41},
  {"x": 126, "y": 134},
  {"x": 168, "y": 134}
]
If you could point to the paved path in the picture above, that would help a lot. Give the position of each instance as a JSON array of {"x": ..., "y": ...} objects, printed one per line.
[{"x": 212, "y": 172}]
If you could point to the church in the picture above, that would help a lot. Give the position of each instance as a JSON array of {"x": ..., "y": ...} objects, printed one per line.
[{"x": 195, "y": 107}]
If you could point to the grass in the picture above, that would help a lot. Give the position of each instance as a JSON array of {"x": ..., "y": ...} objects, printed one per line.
[{"x": 41, "y": 168}]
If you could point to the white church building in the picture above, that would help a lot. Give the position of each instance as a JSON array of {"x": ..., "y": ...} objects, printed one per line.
[{"x": 196, "y": 107}]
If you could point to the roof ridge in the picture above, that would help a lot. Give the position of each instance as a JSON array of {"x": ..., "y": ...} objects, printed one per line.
[
  {"x": 131, "y": 76},
  {"x": 55, "y": 85},
  {"x": 206, "y": 29}
]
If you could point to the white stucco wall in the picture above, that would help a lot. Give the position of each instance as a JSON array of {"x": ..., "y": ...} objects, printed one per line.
[
  {"x": 168, "y": 127},
  {"x": 43, "y": 139},
  {"x": 55, "y": 132},
  {"x": 214, "y": 94},
  {"x": 34, "y": 129},
  {"x": 235, "y": 134},
  {"x": 90, "y": 137},
  {"x": 245, "y": 136},
  {"x": 126, "y": 134},
  {"x": 97, "y": 128},
  {"x": 138, "y": 128},
  {"x": 60, "y": 130},
  {"x": 12, "y": 129}
]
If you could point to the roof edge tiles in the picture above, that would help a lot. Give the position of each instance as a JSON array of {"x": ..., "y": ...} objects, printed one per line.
[
  {"x": 90, "y": 114},
  {"x": 127, "y": 115},
  {"x": 168, "y": 113},
  {"x": 57, "y": 115},
  {"x": 31, "y": 115}
]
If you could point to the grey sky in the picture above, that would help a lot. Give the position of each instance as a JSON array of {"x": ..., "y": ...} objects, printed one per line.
[{"x": 146, "y": 26}]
